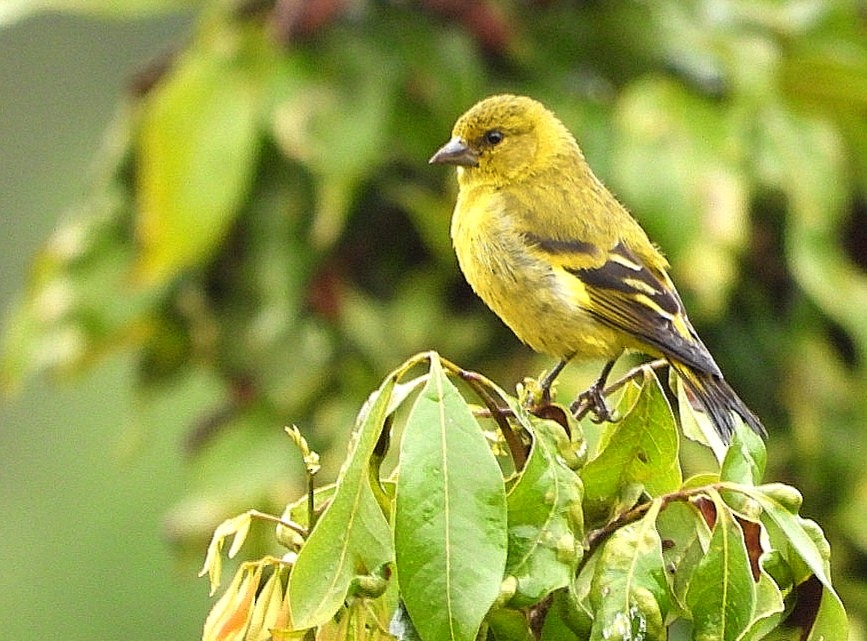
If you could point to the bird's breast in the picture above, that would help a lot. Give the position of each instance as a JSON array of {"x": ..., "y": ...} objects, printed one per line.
[{"x": 537, "y": 300}]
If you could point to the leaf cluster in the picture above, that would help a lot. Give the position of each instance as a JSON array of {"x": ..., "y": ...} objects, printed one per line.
[{"x": 461, "y": 541}]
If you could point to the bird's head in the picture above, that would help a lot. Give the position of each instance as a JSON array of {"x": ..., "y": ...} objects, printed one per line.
[{"x": 504, "y": 138}]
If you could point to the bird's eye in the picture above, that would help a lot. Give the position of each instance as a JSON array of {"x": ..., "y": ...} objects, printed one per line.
[{"x": 494, "y": 137}]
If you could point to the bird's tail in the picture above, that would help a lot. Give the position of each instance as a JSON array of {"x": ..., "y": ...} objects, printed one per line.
[{"x": 718, "y": 400}]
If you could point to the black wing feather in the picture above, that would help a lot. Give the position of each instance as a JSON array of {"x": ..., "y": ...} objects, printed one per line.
[{"x": 626, "y": 294}]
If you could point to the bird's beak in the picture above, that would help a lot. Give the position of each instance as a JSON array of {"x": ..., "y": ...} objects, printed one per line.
[{"x": 455, "y": 152}]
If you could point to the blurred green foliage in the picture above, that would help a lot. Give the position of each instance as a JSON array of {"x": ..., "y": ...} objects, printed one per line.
[{"x": 264, "y": 212}]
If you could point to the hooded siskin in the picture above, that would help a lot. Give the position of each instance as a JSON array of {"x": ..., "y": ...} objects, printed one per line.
[{"x": 554, "y": 254}]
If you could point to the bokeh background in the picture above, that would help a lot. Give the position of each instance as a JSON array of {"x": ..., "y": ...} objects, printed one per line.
[
  {"x": 217, "y": 219},
  {"x": 82, "y": 516}
]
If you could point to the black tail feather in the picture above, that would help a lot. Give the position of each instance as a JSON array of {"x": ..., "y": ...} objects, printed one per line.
[{"x": 719, "y": 401}]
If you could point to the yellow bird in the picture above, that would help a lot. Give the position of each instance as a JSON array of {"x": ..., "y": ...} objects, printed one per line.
[{"x": 553, "y": 253}]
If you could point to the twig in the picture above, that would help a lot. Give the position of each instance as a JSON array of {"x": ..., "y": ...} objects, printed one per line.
[
  {"x": 311, "y": 467},
  {"x": 500, "y": 415},
  {"x": 290, "y": 525},
  {"x": 480, "y": 386},
  {"x": 597, "y": 537}
]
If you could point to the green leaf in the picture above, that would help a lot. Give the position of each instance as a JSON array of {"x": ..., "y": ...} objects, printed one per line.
[
  {"x": 352, "y": 536},
  {"x": 806, "y": 542},
  {"x": 630, "y": 593},
  {"x": 641, "y": 451},
  {"x": 560, "y": 623},
  {"x": 781, "y": 503},
  {"x": 687, "y": 536},
  {"x": 769, "y": 608},
  {"x": 450, "y": 515},
  {"x": 545, "y": 518},
  {"x": 196, "y": 156},
  {"x": 831, "y": 623},
  {"x": 745, "y": 458},
  {"x": 509, "y": 625},
  {"x": 721, "y": 594},
  {"x": 697, "y": 425},
  {"x": 577, "y": 610}
]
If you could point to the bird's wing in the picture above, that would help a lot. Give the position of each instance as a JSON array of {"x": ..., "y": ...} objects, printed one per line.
[{"x": 625, "y": 292}]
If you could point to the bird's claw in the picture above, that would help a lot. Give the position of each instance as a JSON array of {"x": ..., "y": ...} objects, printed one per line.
[{"x": 592, "y": 400}]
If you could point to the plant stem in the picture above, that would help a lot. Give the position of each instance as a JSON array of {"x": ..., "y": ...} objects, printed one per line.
[
  {"x": 595, "y": 538},
  {"x": 481, "y": 385}
]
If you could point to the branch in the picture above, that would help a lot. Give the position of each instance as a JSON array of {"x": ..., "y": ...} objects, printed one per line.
[
  {"x": 595, "y": 538},
  {"x": 480, "y": 385},
  {"x": 500, "y": 415}
]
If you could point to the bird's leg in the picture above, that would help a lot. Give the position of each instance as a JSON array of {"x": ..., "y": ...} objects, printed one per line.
[
  {"x": 549, "y": 379},
  {"x": 592, "y": 398}
]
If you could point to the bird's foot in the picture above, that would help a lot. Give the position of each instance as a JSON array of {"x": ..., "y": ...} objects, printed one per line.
[{"x": 593, "y": 400}]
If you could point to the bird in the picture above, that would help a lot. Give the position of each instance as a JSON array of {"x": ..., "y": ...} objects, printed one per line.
[{"x": 552, "y": 252}]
